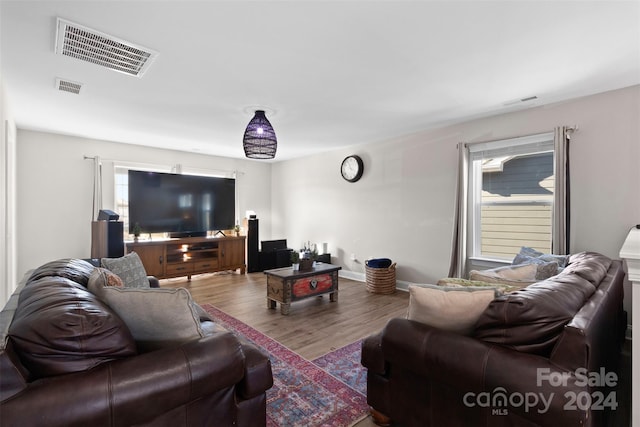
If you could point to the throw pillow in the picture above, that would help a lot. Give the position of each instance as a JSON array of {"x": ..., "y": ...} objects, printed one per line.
[
  {"x": 529, "y": 255},
  {"x": 103, "y": 277},
  {"x": 512, "y": 275},
  {"x": 456, "y": 282},
  {"x": 157, "y": 318},
  {"x": 544, "y": 270},
  {"x": 130, "y": 270},
  {"x": 447, "y": 308}
]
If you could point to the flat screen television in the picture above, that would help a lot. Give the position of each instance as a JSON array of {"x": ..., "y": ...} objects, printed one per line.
[{"x": 181, "y": 205}]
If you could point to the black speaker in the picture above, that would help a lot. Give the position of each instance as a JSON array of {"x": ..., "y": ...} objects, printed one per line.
[
  {"x": 107, "y": 240},
  {"x": 253, "y": 256},
  {"x": 106, "y": 215}
]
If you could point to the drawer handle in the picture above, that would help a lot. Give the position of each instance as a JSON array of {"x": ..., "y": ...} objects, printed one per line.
[
  {"x": 206, "y": 265},
  {"x": 313, "y": 284},
  {"x": 180, "y": 268}
]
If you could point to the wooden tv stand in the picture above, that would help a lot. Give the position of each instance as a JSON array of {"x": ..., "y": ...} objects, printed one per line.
[{"x": 190, "y": 255}]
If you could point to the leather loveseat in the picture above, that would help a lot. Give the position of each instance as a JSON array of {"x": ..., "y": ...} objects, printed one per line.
[
  {"x": 540, "y": 356},
  {"x": 67, "y": 359}
]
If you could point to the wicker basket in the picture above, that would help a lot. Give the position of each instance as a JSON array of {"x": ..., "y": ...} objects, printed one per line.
[{"x": 381, "y": 280}]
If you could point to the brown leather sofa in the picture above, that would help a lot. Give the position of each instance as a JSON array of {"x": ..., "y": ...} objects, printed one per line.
[
  {"x": 96, "y": 376},
  {"x": 557, "y": 340}
]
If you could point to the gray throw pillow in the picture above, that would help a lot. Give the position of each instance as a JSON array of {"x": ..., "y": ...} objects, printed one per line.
[
  {"x": 530, "y": 255},
  {"x": 130, "y": 270},
  {"x": 157, "y": 318}
]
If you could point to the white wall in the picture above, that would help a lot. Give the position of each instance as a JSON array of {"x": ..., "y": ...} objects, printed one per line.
[
  {"x": 55, "y": 183},
  {"x": 8, "y": 277},
  {"x": 402, "y": 208}
]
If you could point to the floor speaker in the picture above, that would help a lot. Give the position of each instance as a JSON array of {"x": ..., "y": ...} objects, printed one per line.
[
  {"x": 107, "y": 239},
  {"x": 253, "y": 258}
]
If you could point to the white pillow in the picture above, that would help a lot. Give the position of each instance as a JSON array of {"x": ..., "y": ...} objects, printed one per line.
[
  {"x": 157, "y": 318},
  {"x": 450, "y": 309}
]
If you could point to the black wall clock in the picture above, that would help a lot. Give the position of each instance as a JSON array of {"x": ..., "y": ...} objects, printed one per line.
[{"x": 352, "y": 168}]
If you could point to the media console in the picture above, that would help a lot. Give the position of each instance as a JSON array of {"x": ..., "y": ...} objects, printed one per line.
[{"x": 190, "y": 255}]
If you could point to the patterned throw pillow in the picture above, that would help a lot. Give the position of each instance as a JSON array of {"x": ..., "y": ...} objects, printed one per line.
[
  {"x": 103, "y": 277},
  {"x": 130, "y": 270}
]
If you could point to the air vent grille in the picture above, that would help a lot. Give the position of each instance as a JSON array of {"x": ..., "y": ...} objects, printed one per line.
[
  {"x": 520, "y": 100},
  {"x": 68, "y": 86},
  {"x": 85, "y": 44}
]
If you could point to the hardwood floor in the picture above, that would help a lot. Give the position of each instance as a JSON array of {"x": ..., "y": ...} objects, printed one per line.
[{"x": 315, "y": 326}]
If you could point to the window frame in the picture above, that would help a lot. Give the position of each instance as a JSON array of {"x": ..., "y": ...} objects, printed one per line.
[{"x": 527, "y": 145}]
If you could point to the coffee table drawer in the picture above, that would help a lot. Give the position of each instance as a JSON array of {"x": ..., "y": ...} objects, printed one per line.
[{"x": 313, "y": 285}]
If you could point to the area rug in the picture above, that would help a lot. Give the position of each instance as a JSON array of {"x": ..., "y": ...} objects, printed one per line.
[
  {"x": 344, "y": 364},
  {"x": 303, "y": 394}
]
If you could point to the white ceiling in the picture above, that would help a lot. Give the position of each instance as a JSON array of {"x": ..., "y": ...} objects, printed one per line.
[{"x": 330, "y": 74}]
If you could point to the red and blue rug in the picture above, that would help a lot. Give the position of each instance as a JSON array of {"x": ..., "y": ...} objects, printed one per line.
[
  {"x": 303, "y": 393},
  {"x": 344, "y": 364}
]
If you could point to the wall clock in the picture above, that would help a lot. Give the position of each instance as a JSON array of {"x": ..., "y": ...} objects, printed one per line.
[{"x": 352, "y": 168}]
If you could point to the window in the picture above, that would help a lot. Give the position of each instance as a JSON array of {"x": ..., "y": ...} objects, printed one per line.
[
  {"x": 511, "y": 196},
  {"x": 511, "y": 193}
]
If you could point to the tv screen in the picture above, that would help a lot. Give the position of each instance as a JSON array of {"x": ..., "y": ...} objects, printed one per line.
[{"x": 182, "y": 205}]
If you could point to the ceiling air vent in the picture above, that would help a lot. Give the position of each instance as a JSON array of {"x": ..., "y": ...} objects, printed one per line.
[
  {"x": 102, "y": 49},
  {"x": 68, "y": 86},
  {"x": 520, "y": 100}
]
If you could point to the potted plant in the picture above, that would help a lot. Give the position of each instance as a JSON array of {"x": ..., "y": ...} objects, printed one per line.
[
  {"x": 306, "y": 262},
  {"x": 295, "y": 260},
  {"x": 136, "y": 231}
]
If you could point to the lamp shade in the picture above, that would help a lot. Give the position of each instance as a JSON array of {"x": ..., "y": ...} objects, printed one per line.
[{"x": 259, "y": 139}]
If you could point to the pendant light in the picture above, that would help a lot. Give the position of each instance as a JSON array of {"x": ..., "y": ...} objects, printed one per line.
[{"x": 259, "y": 139}]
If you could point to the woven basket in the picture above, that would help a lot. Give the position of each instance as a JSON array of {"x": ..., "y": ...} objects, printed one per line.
[{"x": 381, "y": 280}]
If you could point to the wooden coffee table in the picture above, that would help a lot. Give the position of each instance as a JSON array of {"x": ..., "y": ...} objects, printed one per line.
[{"x": 285, "y": 285}]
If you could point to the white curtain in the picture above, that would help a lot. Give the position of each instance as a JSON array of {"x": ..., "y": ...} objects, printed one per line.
[
  {"x": 458, "y": 265},
  {"x": 97, "y": 187}
]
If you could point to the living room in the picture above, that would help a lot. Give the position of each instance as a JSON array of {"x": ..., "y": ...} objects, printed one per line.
[{"x": 402, "y": 207}]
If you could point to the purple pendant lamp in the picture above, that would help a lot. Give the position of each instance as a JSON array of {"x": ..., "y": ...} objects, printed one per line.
[{"x": 259, "y": 139}]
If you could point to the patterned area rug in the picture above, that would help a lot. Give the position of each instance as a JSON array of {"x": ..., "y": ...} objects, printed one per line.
[
  {"x": 344, "y": 364},
  {"x": 303, "y": 394}
]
